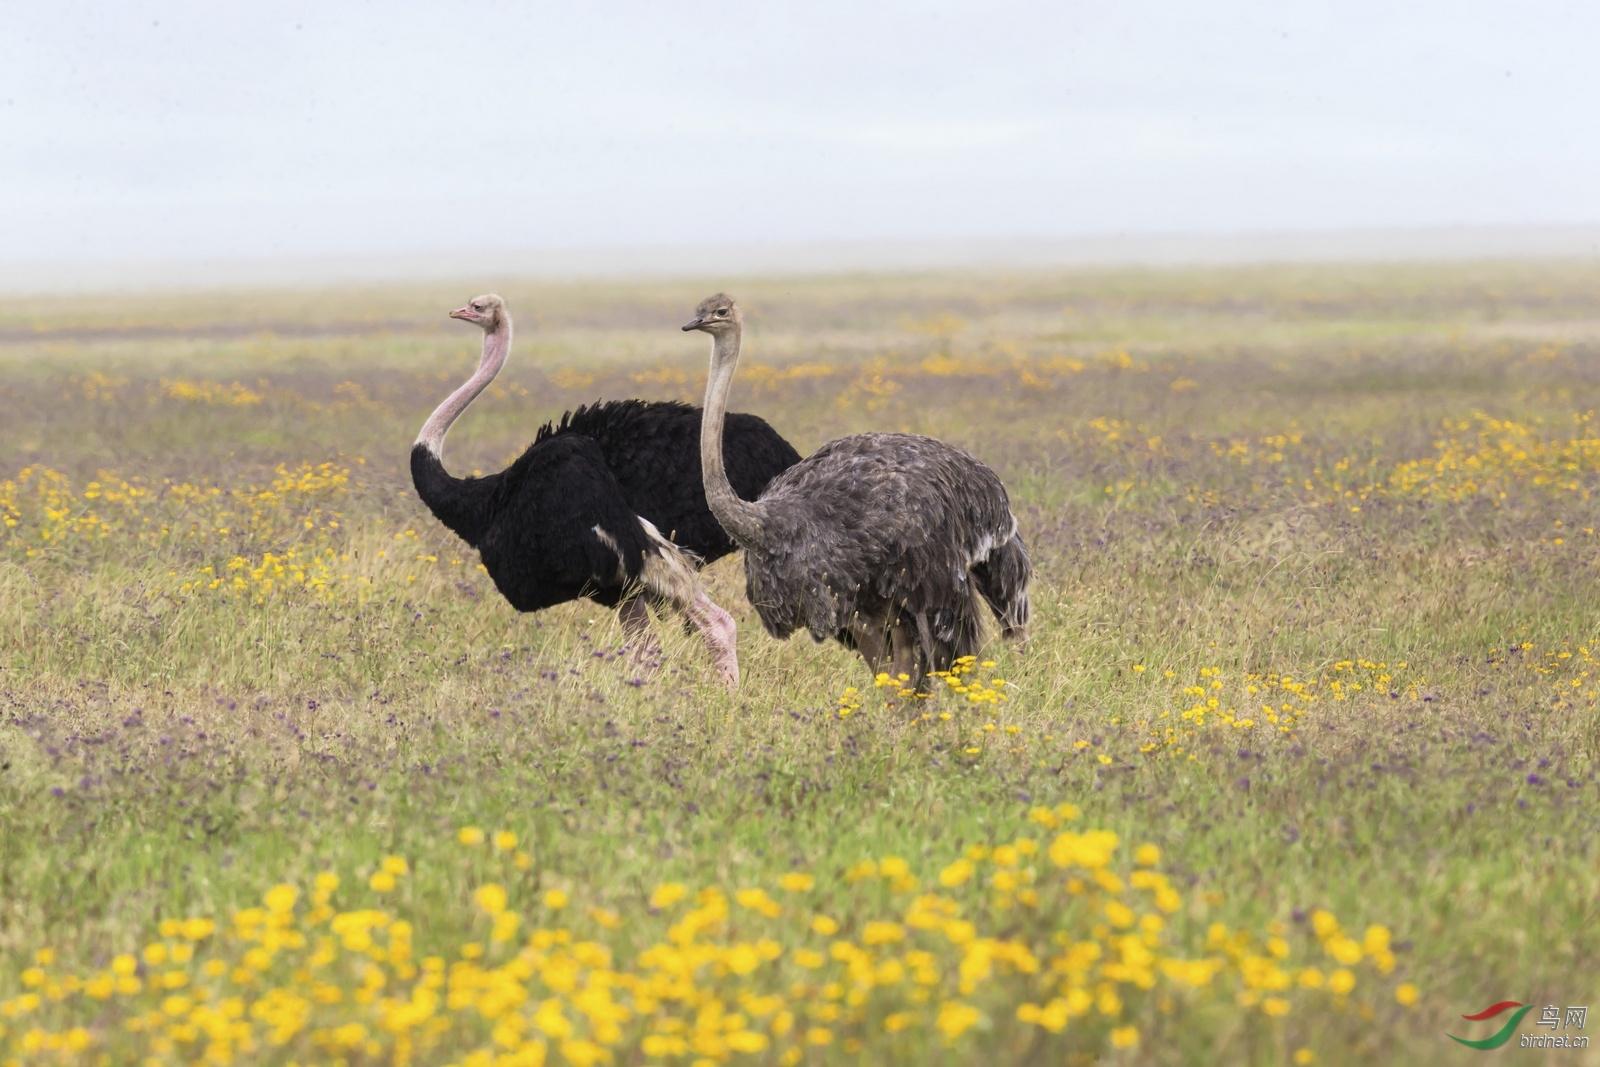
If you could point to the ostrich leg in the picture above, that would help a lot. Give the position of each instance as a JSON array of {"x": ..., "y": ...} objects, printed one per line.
[
  {"x": 870, "y": 640},
  {"x": 701, "y": 615},
  {"x": 906, "y": 655},
  {"x": 669, "y": 578},
  {"x": 644, "y": 651},
  {"x": 719, "y": 632}
]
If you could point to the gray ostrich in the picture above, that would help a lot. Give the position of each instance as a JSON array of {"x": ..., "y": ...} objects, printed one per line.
[{"x": 885, "y": 541}]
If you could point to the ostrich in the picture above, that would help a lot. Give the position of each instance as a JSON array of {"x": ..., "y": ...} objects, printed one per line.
[
  {"x": 885, "y": 541},
  {"x": 583, "y": 510}
]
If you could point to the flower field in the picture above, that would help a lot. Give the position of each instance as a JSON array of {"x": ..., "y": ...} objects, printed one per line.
[
  {"x": 1038, "y": 944},
  {"x": 1298, "y": 765}
]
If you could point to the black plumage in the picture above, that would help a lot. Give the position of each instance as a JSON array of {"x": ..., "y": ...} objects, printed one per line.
[
  {"x": 654, "y": 449},
  {"x": 607, "y": 503},
  {"x": 608, "y": 465}
]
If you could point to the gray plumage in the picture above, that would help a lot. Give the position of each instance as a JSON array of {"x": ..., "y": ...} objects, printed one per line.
[
  {"x": 895, "y": 537},
  {"x": 887, "y": 542}
]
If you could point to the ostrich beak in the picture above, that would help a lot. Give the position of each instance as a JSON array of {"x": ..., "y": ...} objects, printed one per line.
[
  {"x": 461, "y": 313},
  {"x": 693, "y": 324}
]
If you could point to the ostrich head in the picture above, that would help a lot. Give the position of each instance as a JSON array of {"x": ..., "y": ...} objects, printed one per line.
[
  {"x": 715, "y": 315},
  {"x": 486, "y": 311}
]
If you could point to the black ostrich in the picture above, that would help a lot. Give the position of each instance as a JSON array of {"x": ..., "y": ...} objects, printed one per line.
[
  {"x": 886, "y": 541},
  {"x": 607, "y": 504}
]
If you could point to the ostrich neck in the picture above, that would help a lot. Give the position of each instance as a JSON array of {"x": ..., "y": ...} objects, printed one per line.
[
  {"x": 496, "y": 343},
  {"x": 741, "y": 518}
]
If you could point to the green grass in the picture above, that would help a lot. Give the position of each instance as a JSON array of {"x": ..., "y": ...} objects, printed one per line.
[{"x": 167, "y": 750}]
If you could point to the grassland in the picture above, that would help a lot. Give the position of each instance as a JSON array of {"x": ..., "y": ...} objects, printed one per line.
[{"x": 1299, "y": 765}]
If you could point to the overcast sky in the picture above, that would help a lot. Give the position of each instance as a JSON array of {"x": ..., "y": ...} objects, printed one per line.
[{"x": 179, "y": 130}]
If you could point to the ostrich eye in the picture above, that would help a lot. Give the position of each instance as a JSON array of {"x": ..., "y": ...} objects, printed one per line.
[{"x": 722, "y": 311}]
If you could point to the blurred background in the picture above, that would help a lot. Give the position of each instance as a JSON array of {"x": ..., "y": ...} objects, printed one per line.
[{"x": 152, "y": 143}]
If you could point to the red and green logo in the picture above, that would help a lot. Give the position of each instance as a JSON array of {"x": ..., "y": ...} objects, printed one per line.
[{"x": 1500, "y": 1036}]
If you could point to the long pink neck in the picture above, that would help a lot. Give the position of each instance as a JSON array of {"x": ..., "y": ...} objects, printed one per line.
[{"x": 496, "y": 343}]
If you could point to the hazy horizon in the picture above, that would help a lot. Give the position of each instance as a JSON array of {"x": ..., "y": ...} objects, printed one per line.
[
  {"x": 494, "y": 267},
  {"x": 178, "y": 133}
]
